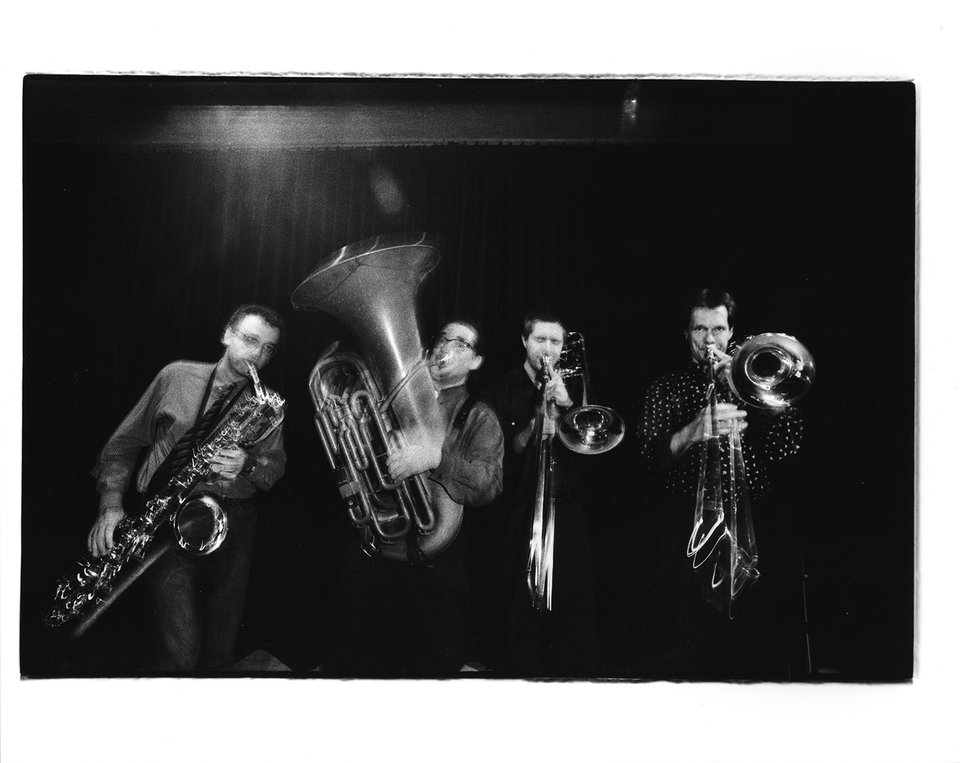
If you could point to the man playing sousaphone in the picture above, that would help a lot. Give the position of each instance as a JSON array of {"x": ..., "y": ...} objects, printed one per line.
[
  {"x": 713, "y": 459},
  {"x": 194, "y": 605},
  {"x": 409, "y": 617}
]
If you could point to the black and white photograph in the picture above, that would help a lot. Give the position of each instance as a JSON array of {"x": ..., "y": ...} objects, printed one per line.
[
  {"x": 471, "y": 384},
  {"x": 622, "y": 321}
]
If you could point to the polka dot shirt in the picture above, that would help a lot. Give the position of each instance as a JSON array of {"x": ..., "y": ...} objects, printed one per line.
[{"x": 674, "y": 400}]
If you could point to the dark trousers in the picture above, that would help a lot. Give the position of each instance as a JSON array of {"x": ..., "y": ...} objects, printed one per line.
[
  {"x": 399, "y": 619},
  {"x": 562, "y": 642},
  {"x": 194, "y": 605},
  {"x": 699, "y": 643}
]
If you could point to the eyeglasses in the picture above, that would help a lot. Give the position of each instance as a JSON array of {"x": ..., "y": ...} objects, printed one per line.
[
  {"x": 254, "y": 343},
  {"x": 459, "y": 345}
]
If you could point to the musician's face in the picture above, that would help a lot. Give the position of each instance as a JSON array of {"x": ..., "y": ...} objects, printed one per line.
[
  {"x": 453, "y": 356},
  {"x": 708, "y": 326},
  {"x": 545, "y": 339},
  {"x": 252, "y": 340}
]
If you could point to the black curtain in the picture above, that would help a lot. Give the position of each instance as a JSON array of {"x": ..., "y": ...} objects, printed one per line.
[{"x": 135, "y": 256}]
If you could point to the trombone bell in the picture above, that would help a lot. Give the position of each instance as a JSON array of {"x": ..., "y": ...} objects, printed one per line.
[
  {"x": 771, "y": 371},
  {"x": 591, "y": 429},
  {"x": 586, "y": 429}
]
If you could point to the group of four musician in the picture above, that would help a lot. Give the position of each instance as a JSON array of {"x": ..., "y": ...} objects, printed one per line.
[{"x": 470, "y": 603}]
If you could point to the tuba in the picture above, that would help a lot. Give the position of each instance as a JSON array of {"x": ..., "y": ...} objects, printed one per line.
[
  {"x": 769, "y": 371},
  {"x": 371, "y": 400},
  {"x": 586, "y": 429},
  {"x": 198, "y": 523}
]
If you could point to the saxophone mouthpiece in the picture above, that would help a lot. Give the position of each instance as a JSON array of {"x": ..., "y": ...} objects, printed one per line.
[{"x": 255, "y": 378}]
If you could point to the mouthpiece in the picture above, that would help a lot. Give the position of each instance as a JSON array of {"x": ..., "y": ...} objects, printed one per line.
[{"x": 255, "y": 378}]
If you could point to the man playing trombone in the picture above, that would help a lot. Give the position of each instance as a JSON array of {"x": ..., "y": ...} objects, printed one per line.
[
  {"x": 538, "y": 629},
  {"x": 711, "y": 468}
]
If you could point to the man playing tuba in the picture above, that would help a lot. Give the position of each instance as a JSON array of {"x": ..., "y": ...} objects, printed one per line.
[
  {"x": 677, "y": 425},
  {"x": 410, "y": 617},
  {"x": 194, "y": 605}
]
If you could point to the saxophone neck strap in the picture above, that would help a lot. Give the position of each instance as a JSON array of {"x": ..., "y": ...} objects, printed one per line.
[
  {"x": 195, "y": 427},
  {"x": 233, "y": 396},
  {"x": 224, "y": 404}
]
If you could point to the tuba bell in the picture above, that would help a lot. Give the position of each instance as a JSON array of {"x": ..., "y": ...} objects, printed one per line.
[{"x": 372, "y": 397}]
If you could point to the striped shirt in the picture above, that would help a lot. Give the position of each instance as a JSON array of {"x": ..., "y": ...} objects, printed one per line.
[{"x": 164, "y": 413}]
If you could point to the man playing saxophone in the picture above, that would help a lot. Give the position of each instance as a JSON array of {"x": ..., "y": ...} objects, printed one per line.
[
  {"x": 194, "y": 605},
  {"x": 677, "y": 426},
  {"x": 409, "y": 617}
]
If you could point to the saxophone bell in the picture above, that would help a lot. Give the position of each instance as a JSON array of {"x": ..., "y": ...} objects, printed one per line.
[{"x": 200, "y": 525}]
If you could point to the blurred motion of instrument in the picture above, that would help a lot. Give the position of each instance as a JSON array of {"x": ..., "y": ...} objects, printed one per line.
[
  {"x": 371, "y": 399},
  {"x": 586, "y": 429},
  {"x": 197, "y": 521},
  {"x": 540, "y": 558},
  {"x": 769, "y": 371}
]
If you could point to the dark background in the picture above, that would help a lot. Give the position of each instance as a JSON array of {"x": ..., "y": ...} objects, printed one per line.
[{"x": 153, "y": 206}]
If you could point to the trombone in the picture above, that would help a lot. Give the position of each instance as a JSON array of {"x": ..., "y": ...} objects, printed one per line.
[
  {"x": 769, "y": 371},
  {"x": 586, "y": 429}
]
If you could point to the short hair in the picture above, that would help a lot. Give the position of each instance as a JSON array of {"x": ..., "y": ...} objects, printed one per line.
[
  {"x": 479, "y": 345},
  {"x": 268, "y": 314},
  {"x": 541, "y": 316},
  {"x": 711, "y": 299}
]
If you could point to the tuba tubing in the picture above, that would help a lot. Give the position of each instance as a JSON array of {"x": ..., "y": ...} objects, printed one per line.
[{"x": 367, "y": 401}]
